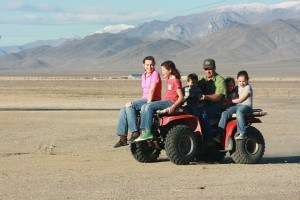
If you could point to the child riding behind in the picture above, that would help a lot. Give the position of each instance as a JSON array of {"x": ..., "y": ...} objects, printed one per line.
[
  {"x": 243, "y": 106},
  {"x": 231, "y": 92},
  {"x": 231, "y": 88}
]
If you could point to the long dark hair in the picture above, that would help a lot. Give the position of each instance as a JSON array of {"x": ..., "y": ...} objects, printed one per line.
[
  {"x": 244, "y": 74},
  {"x": 169, "y": 65}
]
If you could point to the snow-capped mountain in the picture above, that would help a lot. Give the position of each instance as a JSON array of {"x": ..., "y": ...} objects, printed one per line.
[
  {"x": 260, "y": 13},
  {"x": 114, "y": 28},
  {"x": 201, "y": 24}
]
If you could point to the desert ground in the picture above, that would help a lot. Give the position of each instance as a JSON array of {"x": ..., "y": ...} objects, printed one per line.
[{"x": 57, "y": 137}]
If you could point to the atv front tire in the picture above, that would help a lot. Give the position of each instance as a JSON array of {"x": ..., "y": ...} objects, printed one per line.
[
  {"x": 181, "y": 144},
  {"x": 143, "y": 152}
]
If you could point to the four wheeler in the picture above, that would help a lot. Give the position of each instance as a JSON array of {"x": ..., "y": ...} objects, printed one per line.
[{"x": 180, "y": 135}]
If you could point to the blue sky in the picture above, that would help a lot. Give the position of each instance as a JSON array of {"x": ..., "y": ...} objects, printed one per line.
[{"x": 24, "y": 21}]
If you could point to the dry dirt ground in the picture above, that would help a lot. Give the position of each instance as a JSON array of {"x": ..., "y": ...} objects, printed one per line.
[{"x": 47, "y": 152}]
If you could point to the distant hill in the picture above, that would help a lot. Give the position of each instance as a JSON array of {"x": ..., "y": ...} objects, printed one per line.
[
  {"x": 56, "y": 42},
  {"x": 235, "y": 46},
  {"x": 267, "y": 48},
  {"x": 264, "y": 39},
  {"x": 249, "y": 43},
  {"x": 2, "y": 52},
  {"x": 87, "y": 52}
]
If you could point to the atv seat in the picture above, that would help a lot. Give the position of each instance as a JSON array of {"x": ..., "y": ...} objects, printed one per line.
[
  {"x": 177, "y": 111},
  {"x": 214, "y": 121},
  {"x": 255, "y": 113}
]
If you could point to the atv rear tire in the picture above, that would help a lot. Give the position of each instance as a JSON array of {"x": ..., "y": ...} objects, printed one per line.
[
  {"x": 249, "y": 150},
  {"x": 181, "y": 144},
  {"x": 143, "y": 152}
]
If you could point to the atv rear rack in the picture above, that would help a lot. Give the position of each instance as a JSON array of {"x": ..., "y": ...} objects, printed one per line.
[{"x": 255, "y": 112}]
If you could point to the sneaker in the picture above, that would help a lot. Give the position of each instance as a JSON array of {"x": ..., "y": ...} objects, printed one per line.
[
  {"x": 134, "y": 136},
  {"x": 144, "y": 136},
  {"x": 239, "y": 137},
  {"x": 121, "y": 142}
]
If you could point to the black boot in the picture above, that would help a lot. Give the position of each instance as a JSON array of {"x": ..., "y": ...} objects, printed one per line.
[{"x": 121, "y": 142}]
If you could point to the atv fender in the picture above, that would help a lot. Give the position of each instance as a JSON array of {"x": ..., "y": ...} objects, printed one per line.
[
  {"x": 190, "y": 120},
  {"x": 231, "y": 126}
]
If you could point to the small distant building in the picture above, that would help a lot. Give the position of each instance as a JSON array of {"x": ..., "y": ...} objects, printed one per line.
[
  {"x": 184, "y": 78},
  {"x": 134, "y": 76}
]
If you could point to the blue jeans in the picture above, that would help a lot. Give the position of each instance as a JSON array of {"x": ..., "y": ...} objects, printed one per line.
[
  {"x": 148, "y": 110},
  {"x": 206, "y": 113},
  {"x": 128, "y": 117},
  {"x": 240, "y": 111}
]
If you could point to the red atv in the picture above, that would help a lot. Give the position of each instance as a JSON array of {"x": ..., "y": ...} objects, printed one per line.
[{"x": 180, "y": 135}]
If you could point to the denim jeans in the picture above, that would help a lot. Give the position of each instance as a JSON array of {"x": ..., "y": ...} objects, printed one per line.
[
  {"x": 148, "y": 110},
  {"x": 206, "y": 113},
  {"x": 240, "y": 111},
  {"x": 128, "y": 117}
]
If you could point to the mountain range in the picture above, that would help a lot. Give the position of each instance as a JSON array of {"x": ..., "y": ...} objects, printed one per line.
[
  {"x": 204, "y": 23},
  {"x": 258, "y": 38},
  {"x": 17, "y": 48}
]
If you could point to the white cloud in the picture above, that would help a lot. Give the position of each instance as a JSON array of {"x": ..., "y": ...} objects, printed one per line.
[
  {"x": 30, "y": 17},
  {"x": 100, "y": 17},
  {"x": 24, "y": 19},
  {"x": 18, "y": 11},
  {"x": 20, "y": 5},
  {"x": 114, "y": 28}
]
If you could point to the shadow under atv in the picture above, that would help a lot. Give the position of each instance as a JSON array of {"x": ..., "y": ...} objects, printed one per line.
[
  {"x": 278, "y": 160},
  {"x": 228, "y": 160}
]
